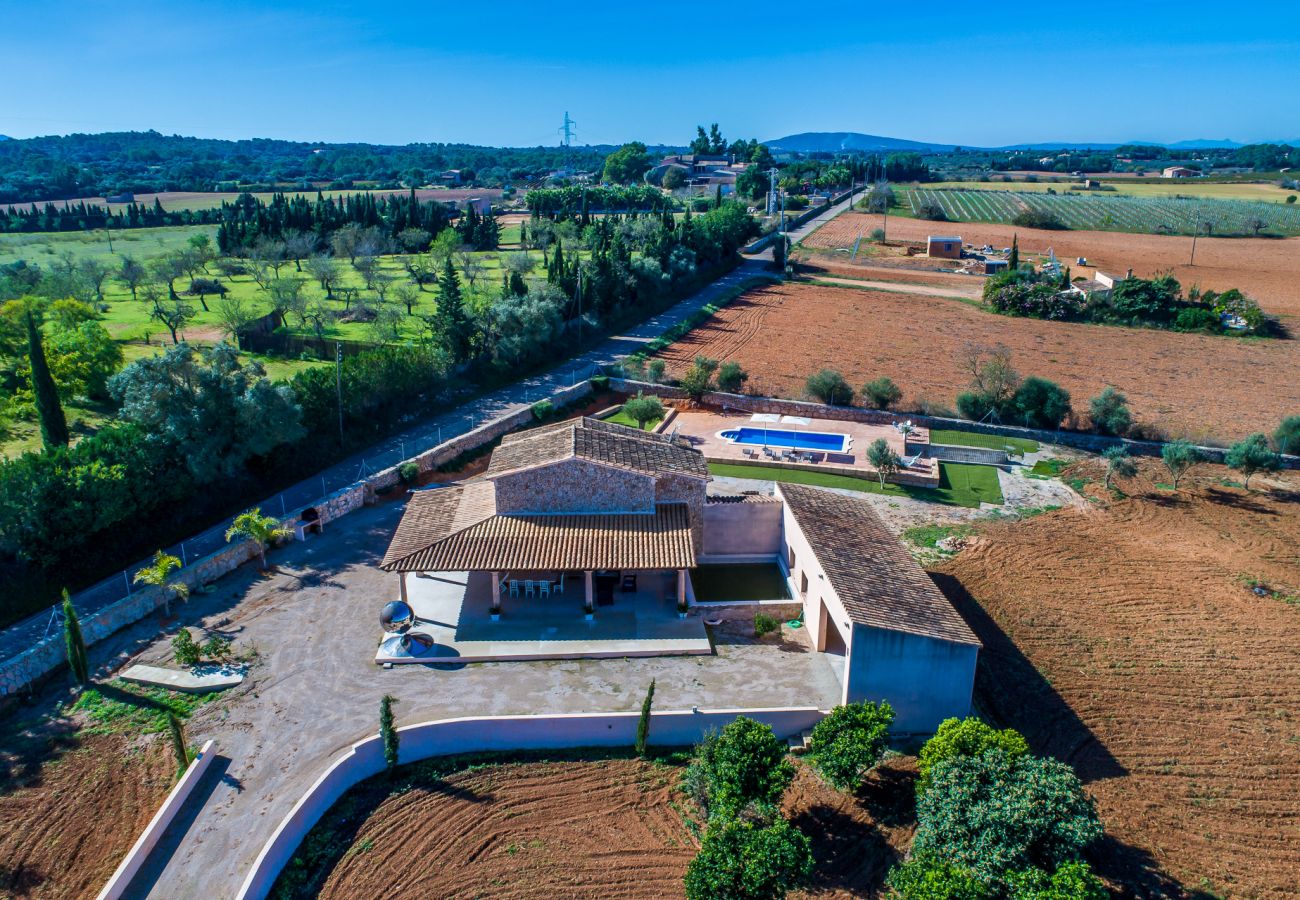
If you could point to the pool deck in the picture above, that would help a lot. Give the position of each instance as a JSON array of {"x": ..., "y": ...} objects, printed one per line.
[{"x": 701, "y": 428}]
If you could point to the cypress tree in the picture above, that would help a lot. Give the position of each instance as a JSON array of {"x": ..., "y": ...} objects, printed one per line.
[
  {"x": 643, "y": 725},
  {"x": 717, "y": 198},
  {"x": 73, "y": 641},
  {"x": 178, "y": 743},
  {"x": 453, "y": 323},
  {"x": 1013, "y": 260},
  {"x": 54, "y": 427},
  {"x": 388, "y": 732}
]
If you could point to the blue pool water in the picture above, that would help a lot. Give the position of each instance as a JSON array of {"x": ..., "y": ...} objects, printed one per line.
[{"x": 798, "y": 440}]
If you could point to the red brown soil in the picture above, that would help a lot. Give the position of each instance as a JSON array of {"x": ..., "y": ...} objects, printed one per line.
[
  {"x": 1121, "y": 639},
  {"x": 598, "y": 829},
  {"x": 72, "y": 808},
  {"x": 585, "y": 829},
  {"x": 1198, "y": 386},
  {"x": 1265, "y": 268}
]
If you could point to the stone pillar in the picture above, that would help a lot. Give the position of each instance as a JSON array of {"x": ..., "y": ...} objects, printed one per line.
[
  {"x": 496, "y": 590},
  {"x": 681, "y": 589},
  {"x": 589, "y": 576},
  {"x": 401, "y": 586}
]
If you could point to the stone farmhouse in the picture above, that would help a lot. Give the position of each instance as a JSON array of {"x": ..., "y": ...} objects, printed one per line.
[{"x": 581, "y": 538}]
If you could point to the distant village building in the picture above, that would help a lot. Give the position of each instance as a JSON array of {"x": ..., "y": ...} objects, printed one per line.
[
  {"x": 943, "y": 246},
  {"x": 700, "y": 170},
  {"x": 451, "y": 176},
  {"x": 1179, "y": 172}
]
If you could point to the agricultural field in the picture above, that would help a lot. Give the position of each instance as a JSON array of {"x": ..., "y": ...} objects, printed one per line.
[
  {"x": 1266, "y": 269},
  {"x": 1201, "y": 387},
  {"x": 1112, "y": 211},
  {"x": 1148, "y": 186},
  {"x": 1126, "y": 639},
  {"x": 601, "y": 828}
]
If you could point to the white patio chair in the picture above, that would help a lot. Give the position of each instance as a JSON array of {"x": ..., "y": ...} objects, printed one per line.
[
  {"x": 514, "y": 587},
  {"x": 530, "y": 588},
  {"x": 544, "y": 588},
  {"x": 559, "y": 585}
]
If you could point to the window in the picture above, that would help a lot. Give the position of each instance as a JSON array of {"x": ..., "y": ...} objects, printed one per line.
[
  {"x": 803, "y": 583},
  {"x": 790, "y": 560}
]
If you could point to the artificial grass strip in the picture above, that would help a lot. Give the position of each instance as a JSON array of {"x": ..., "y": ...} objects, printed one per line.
[
  {"x": 976, "y": 439},
  {"x": 960, "y": 484}
]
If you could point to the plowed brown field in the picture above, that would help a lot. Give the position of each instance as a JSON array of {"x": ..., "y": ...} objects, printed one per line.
[
  {"x": 1198, "y": 386},
  {"x": 72, "y": 808},
  {"x": 1265, "y": 268},
  {"x": 1122, "y": 639},
  {"x": 597, "y": 829}
]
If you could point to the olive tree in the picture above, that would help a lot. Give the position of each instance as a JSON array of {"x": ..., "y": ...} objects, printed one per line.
[
  {"x": 1179, "y": 457},
  {"x": 1252, "y": 455}
]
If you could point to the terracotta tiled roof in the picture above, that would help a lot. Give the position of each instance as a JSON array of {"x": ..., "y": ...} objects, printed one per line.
[
  {"x": 601, "y": 442},
  {"x": 456, "y": 529},
  {"x": 877, "y": 580}
]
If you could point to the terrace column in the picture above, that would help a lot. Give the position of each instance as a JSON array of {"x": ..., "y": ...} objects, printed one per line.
[
  {"x": 588, "y": 576},
  {"x": 681, "y": 590},
  {"x": 401, "y": 586},
  {"x": 496, "y": 589}
]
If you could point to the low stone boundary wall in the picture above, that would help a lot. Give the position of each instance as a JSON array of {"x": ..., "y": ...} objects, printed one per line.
[
  {"x": 1093, "y": 443},
  {"x": 43, "y": 657},
  {"x": 900, "y": 477},
  {"x": 473, "y": 735},
  {"x": 140, "y": 850},
  {"x": 979, "y": 455}
]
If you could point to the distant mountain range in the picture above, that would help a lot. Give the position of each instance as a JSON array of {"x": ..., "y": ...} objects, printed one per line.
[{"x": 839, "y": 141}]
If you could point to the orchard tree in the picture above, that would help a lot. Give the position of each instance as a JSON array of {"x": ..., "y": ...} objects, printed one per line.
[
  {"x": 131, "y": 274},
  {"x": 742, "y": 860},
  {"x": 643, "y": 410},
  {"x": 1250, "y": 456},
  {"x": 1287, "y": 435},
  {"x": 1179, "y": 457},
  {"x": 882, "y": 393},
  {"x": 847, "y": 744},
  {"x": 1040, "y": 403},
  {"x": 1118, "y": 462},
  {"x": 1109, "y": 412},
  {"x": 883, "y": 459},
  {"x": 829, "y": 387},
  {"x": 742, "y": 767},
  {"x": 965, "y": 737},
  {"x": 731, "y": 377}
]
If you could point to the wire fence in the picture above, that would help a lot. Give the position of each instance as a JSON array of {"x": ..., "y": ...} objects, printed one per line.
[{"x": 310, "y": 492}]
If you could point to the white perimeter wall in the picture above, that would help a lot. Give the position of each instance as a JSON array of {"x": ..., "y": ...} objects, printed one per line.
[{"x": 472, "y": 735}]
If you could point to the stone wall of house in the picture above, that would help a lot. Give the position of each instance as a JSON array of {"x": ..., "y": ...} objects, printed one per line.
[
  {"x": 735, "y": 526},
  {"x": 671, "y": 488},
  {"x": 574, "y": 486}
]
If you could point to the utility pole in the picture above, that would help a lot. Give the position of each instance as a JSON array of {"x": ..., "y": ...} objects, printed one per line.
[
  {"x": 1196, "y": 229},
  {"x": 338, "y": 384}
]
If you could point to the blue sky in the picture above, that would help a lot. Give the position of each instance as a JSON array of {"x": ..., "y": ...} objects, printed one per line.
[{"x": 504, "y": 73}]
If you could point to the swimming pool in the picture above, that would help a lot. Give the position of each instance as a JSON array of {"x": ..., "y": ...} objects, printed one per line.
[{"x": 797, "y": 440}]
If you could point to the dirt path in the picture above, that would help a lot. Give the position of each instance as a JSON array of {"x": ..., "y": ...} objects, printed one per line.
[{"x": 971, "y": 292}]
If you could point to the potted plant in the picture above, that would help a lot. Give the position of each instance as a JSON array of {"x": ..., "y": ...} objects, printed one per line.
[{"x": 495, "y": 611}]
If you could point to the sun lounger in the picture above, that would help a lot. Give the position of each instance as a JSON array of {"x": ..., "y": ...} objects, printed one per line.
[{"x": 768, "y": 452}]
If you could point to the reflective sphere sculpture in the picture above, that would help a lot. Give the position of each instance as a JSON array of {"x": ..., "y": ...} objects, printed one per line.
[{"x": 397, "y": 616}]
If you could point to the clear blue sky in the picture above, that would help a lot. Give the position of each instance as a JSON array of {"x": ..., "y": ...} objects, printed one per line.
[{"x": 504, "y": 73}]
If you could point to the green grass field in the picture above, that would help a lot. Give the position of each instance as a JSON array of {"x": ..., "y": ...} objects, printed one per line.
[
  {"x": 622, "y": 418},
  {"x": 1150, "y": 186},
  {"x": 960, "y": 484},
  {"x": 975, "y": 439}
]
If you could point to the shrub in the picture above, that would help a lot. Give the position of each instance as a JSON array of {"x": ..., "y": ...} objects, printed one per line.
[
  {"x": 1038, "y": 218},
  {"x": 1142, "y": 300},
  {"x": 764, "y": 624},
  {"x": 746, "y": 861},
  {"x": 829, "y": 386},
  {"x": 932, "y": 210},
  {"x": 644, "y": 410},
  {"x": 1196, "y": 318},
  {"x": 600, "y": 383},
  {"x": 699, "y": 377},
  {"x": 409, "y": 472},
  {"x": 1250, "y": 456},
  {"x": 655, "y": 370},
  {"x": 217, "y": 647},
  {"x": 1072, "y": 880},
  {"x": 543, "y": 410},
  {"x": 74, "y": 644},
  {"x": 1118, "y": 462},
  {"x": 187, "y": 652},
  {"x": 882, "y": 392},
  {"x": 731, "y": 377},
  {"x": 877, "y": 236},
  {"x": 1109, "y": 412},
  {"x": 1040, "y": 403},
  {"x": 923, "y": 877},
  {"x": 1287, "y": 435},
  {"x": 741, "y": 768},
  {"x": 849, "y": 742},
  {"x": 1036, "y": 301},
  {"x": 997, "y": 812},
  {"x": 973, "y": 406},
  {"x": 965, "y": 737}
]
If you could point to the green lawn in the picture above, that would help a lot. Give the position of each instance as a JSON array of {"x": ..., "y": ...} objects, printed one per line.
[
  {"x": 622, "y": 418},
  {"x": 960, "y": 484},
  {"x": 745, "y": 581},
  {"x": 990, "y": 441}
]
